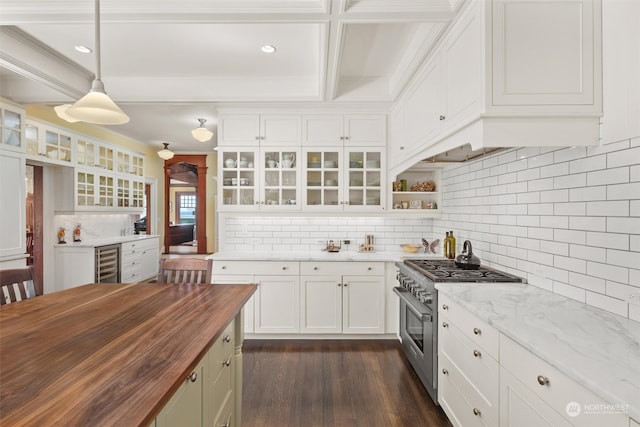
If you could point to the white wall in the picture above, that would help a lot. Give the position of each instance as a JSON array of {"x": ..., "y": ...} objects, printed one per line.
[{"x": 566, "y": 219}]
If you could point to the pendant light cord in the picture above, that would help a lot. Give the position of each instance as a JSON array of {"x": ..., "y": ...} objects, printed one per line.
[{"x": 97, "y": 40}]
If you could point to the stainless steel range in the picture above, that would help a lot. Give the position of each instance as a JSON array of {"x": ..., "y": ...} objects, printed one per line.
[{"x": 419, "y": 313}]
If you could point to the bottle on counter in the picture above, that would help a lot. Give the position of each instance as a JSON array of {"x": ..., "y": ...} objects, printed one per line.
[
  {"x": 446, "y": 244},
  {"x": 452, "y": 246}
]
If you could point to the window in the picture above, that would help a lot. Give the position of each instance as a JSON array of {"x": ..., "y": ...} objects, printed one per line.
[{"x": 186, "y": 205}]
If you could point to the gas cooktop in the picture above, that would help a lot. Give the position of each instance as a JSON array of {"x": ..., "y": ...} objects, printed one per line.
[{"x": 447, "y": 271}]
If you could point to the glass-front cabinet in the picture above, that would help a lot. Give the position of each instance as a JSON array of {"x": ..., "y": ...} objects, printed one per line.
[
  {"x": 85, "y": 152},
  {"x": 260, "y": 179},
  {"x": 279, "y": 178},
  {"x": 239, "y": 186},
  {"x": 343, "y": 179},
  {"x": 11, "y": 127},
  {"x": 94, "y": 190}
]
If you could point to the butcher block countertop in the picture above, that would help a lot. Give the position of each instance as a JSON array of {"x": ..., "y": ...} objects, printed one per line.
[{"x": 107, "y": 354}]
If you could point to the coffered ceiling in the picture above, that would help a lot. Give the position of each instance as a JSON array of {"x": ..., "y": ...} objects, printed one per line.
[{"x": 168, "y": 62}]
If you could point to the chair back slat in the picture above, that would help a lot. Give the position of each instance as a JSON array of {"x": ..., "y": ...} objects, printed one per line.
[
  {"x": 185, "y": 271},
  {"x": 16, "y": 284}
]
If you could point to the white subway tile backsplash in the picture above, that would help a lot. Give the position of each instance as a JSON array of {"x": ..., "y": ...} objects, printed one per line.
[
  {"x": 571, "y": 208},
  {"x": 623, "y": 258},
  {"x": 623, "y": 191},
  {"x": 634, "y": 243},
  {"x": 540, "y": 184},
  {"x": 554, "y": 196},
  {"x": 608, "y": 176},
  {"x": 613, "y": 208},
  {"x": 569, "y": 291},
  {"x": 588, "y": 164},
  {"x": 634, "y": 312},
  {"x": 608, "y": 272},
  {"x": 608, "y": 148},
  {"x": 590, "y": 253},
  {"x": 571, "y": 264},
  {"x": 588, "y": 223},
  {"x": 629, "y": 225},
  {"x": 585, "y": 194},
  {"x": 553, "y": 170},
  {"x": 570, "y": 181},
  {"x": 623, "y": 158},
  {"x": 608, "y": 240},
  {"x": 589, "y": 283},
  {"x": 604, "y": 302},
  {"x": 558, "y": 248},
  {"x": 567, "y": 154},
  {"x": 540, "y": 258},
  {"x": 570, "y": 236}
]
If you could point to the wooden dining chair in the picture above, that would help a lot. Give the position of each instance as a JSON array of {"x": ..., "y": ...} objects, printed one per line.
[
  {"x": 17, "y": 284},
  {"x": 185, "y": 270}
]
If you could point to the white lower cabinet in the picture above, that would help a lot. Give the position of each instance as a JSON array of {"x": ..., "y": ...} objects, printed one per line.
[
  {"x": 342, "y": 302},
  {"x": 140, "y": 260},
  {"x": 310, "y": 297},
  {"x": 487, "y": 379},
  {"x": 207, "y": 396},
  {"x": 468, "y": 371}
]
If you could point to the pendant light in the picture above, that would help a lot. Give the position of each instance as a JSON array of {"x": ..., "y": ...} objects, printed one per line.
[
  {"x": 165, "y": 153},
  {"x": 201, "y": 133},
  {"x": 96, "y": 106}
]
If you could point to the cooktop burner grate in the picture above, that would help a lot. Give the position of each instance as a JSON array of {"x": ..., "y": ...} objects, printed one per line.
[{"x": 447, "y": 271}]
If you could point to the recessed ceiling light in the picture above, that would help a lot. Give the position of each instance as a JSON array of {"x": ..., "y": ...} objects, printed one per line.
[
  {"x": 82, "y": 49},
  {"x": 267, "y": 48}
]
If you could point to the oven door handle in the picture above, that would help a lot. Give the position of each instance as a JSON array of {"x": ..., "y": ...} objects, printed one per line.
[{"x": 417, "y": 308}]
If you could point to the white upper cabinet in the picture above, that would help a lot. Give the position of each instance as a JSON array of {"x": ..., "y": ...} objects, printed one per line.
[
  {"x": 252, "y": 129},
  {"x": 507, "y": 73},
  {"x": 331, "y": 130},
  {"x": 11, "y": 127}
]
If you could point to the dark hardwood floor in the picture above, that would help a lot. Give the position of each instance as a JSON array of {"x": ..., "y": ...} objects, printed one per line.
[{"x": 308, "y": 383}]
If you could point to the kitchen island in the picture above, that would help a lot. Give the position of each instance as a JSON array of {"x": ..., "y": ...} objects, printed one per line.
[{"x": 109, "y": 354}]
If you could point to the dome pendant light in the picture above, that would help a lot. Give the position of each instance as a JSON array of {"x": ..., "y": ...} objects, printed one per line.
[
  {"x": 165, "y": 153},
  {"x": 96, "y": 106},
  {"x": 201, "y": 133}
]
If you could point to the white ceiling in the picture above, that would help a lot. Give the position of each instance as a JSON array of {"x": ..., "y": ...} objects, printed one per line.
[{"x": 168, "y": 62}]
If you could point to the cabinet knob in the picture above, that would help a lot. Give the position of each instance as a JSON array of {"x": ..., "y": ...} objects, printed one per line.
[
  {"x": 476, "y": 412},
  {"x": 444, "y": 371},
  {"x": 257, "y": 202},
  {"x": 227, "y": 338},
  {"x": 369, "y": 268},
  {"x": 445, "y": 307},
  {"x": 284, "y": 268},
  {"x": 224, "y": 267},
  {"x": 227, "y": 362},
  {"x": 339, "y": 284},
  {"x": 257, "y": 138},
  {"x": 442, "y": 117},
  {"x": 477, "y": 331},
  {"x": 477, "y": 353},
  {"x": 193, "y": 377},
  {"x": 345, "y": 285},
  {"x": 402, "y": 147},
  {"x": 445, "y": 325},
  {"x": 315, "y": 268},
  {"x": 542, "y": 380},
  {"x": 227, "y": 424}
]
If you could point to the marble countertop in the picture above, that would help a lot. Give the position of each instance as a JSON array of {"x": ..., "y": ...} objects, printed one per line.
[
  {"x": 92, "y": 243},
  {"x": 597, "y": 349},
  {"x": 318, "y": 255}
]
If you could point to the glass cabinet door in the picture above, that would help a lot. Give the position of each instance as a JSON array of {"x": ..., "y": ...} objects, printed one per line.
[
  {"x": 323, "y": 179},
  {"x": 138, "y": 165},
  {"x": 11, "y": 128},
  {"x": 32, "y": 139},
  {"x": 364, "y": 178},
  {"x": 105, "y": 191},
  {"x": 137, "y": 194},
  {"x": 57, "y": 145},
  {"x": 239, "y": 186},
  {"x": 279, "y": 178},
  {"x": 86, "y": 152},
  {"x": 123, "y": 194},
  {"x": 105, "y": 157},
  {"x": 85, "y": 189},
  {"x": 124, "y": 162}
]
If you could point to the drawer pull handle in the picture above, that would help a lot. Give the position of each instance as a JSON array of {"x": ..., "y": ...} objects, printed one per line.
[
  {"x": 476, "y": 412},
  {"x": 542, "y": 380},
  {"x": 477, "y": 353},
  {"x": 444, "y": 371},
  {"x": 227, "y": 338},
  {"x": 227, "y": 362},
  {"x": 445, "y": 325},
  {"x": 193, "y": 377},
  {"x": 445, "y": 307},
  {"x": 477, "y": 331}
]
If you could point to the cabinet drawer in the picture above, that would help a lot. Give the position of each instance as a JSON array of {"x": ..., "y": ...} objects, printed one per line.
[
  {"x": 221, "y": 352},
  {"x": 257, "y": 267},
  {"x": 459, "y": 398},
  {"x": 342, "y": 268},
  {"x": 225, "y": 414},
  {"x": 557, "y": 390},
  {"x": 478, "y": 367},
  {"x": 479, "y": 331}
]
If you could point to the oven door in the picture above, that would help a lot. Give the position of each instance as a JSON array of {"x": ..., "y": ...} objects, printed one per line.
[{"x": 418, "y": 339}]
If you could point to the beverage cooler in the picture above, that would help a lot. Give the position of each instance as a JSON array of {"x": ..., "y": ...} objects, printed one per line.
[{"x": 108, "y": 264}]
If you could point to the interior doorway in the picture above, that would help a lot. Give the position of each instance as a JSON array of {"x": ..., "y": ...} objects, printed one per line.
[
  {"x": 185, "y": 204},
  {"x": 34, "y": 222}
]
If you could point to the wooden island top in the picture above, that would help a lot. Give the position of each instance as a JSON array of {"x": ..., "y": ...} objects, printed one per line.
[{"x": 107, "y": 354}]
